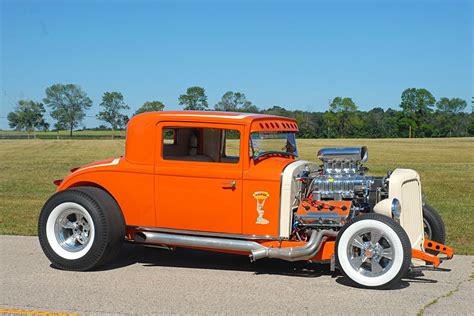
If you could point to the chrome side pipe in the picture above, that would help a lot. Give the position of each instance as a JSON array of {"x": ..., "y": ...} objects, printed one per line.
[
  {"x": 256, "y": 250},
  {"x": 195, "y": 241}
]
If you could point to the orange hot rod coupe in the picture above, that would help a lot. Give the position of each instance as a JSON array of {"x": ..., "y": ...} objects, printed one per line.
[{"x": 231, "y": 182}]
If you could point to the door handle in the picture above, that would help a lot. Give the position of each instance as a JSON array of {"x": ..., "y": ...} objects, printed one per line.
[{"x": 229, "y": 185}]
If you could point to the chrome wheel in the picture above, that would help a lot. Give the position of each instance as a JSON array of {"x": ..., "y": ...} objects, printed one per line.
[
  {"x": 370, "y": 252},
  {"x": 373, "y": 251},
  {"x": 72, "y": 230}
]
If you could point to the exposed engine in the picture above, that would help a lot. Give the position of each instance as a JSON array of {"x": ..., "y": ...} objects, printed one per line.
[{"x": 338, "y": 190}]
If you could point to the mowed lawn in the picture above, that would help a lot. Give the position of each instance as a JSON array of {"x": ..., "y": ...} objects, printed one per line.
[{"x": 28, "y": 167}]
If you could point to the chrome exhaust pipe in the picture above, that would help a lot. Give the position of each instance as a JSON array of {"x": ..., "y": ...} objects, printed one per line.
[
  {"x": 295, "y": 253},
  {"x": 196, "y": 241},
  {"x": 256, "y": 250}
]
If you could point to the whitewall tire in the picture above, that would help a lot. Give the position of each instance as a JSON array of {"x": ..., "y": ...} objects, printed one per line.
[
  {"x": 373, "y": 251},
  {"x": 81, "y": 228},
  {"x": 70, "y": 230}
]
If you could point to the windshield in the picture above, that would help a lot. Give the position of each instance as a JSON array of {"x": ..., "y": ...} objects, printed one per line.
[{"x": 264, "y": 143}]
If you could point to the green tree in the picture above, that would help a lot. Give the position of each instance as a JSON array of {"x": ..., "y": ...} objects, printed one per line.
[
  {"x": 235, "y": 102},
  {"x": 68, "y": 104},
  {"x": 331, "y": 123},
  {"x": 152, "y": 106},
  {"x": 454, "y": 105},
  {"x": 306, "y": 124},
  {"x": 344, "y": 113},
  {"x": 113, "y": 104},
  {"x": 449, "y": 120},
  {"x": 194, "y": 99},
  {"x": 392, "y": 120},
  {"x": 279, "y": 111},
  {"x": 471, "y": 124},
  {"x": 373, "y": 123},
  {"x": 417, "y": 105},
  {"x": 318, "y": 126},
  {"x": 28, "y": 116}
]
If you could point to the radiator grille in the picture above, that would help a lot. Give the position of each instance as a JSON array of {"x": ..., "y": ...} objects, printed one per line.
[{"x": 412, "y": 213}]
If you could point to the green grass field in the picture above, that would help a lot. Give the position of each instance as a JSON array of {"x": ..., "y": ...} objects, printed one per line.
[
  {"x": 28, "y": 167},
  {"x": 88, "y": 134}
]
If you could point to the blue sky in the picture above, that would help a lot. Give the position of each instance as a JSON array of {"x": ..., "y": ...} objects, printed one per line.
[{"x": 295, "y": 54}]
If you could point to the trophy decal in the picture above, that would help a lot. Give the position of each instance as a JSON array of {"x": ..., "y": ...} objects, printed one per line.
[{"x": 261, "y": 197}]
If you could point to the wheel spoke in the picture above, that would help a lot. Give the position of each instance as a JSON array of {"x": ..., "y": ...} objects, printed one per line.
[
  {"x": 358, "y": 261},
  {"x": 387, "y": 253},
  {"x": 68, "y": 224},
  {"x": 376, "y": 267},
  {"x": 85, "y": 236},
  {"x": 358, "y": 242},
  {"x": 375, "y": 236},
  {"x": 79, "y": 218},
  {"x": 70, "y": 240},
  {"x": 85, "y": 226},
  {"x": 72, "y": 228}
]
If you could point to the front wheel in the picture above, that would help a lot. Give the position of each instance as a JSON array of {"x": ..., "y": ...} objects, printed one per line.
[
  {"x": 373, "y": 251},
  {"x": 433, "y": 226}
]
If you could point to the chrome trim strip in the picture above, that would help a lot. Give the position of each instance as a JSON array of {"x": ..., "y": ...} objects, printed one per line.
[{"x": 201, "y": 233}]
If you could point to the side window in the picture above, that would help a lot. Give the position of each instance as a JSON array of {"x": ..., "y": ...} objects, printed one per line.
[
  {"x": 231, "y": 146},
  {"x": 201, "y": 144}
]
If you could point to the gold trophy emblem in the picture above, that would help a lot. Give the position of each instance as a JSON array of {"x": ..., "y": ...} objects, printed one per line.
[{"x": 261, "y": 197}]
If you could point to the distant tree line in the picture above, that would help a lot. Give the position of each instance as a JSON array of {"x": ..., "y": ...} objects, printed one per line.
[{"x": 420, "y": 114}]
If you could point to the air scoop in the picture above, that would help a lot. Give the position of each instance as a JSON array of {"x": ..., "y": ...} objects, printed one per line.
[{"x": 356, "y": 154}]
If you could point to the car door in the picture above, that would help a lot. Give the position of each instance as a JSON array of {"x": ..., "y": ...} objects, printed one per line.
[{"x": 198, "y": 186}]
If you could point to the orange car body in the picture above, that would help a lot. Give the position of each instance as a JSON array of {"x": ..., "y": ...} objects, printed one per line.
[
  {"x": 153, "y": 192},
  {"x": 198, "y": 197}
]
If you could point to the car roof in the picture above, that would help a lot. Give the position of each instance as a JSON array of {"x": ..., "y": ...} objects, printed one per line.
[
  {"x": 210, "y": 116},
  {"x": 141, "y": 127}
]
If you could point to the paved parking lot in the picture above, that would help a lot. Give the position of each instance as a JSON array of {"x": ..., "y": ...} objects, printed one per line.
[{"x": 148, "y": 280}]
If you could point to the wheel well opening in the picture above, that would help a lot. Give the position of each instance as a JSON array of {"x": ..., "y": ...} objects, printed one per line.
[{"x": 93, "y": 184}]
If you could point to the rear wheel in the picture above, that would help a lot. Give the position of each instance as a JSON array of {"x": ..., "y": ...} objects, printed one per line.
[
  {"x": 433, "y": 226},
  {"x": 81, "y": 228},
  {"x": 373, "y": 251}
]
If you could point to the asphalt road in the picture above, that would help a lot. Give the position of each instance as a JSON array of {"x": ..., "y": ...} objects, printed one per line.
[{"x": 146, "y": 280}]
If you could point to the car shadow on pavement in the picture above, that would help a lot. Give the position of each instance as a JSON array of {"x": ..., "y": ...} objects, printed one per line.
[
  {"x": 411, "y": 277},
  {"x": 200, "y": 259}
]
